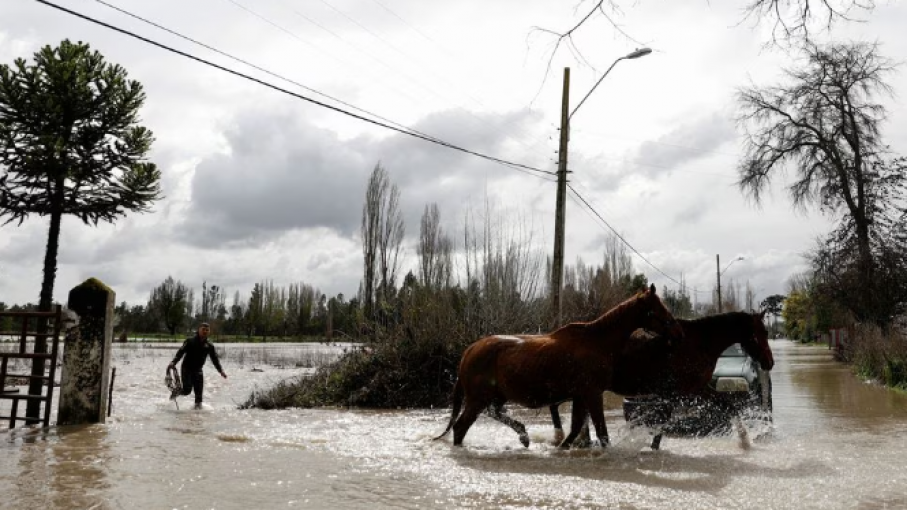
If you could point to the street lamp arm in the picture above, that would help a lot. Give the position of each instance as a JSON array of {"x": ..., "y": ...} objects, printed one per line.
[
  {"x": 730, "y": 264},
  {"x": 583, "y": 100},
  {"x": 635, "y": 54}
]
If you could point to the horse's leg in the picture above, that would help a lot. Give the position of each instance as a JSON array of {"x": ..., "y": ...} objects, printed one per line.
[
  {"x": 597, "y": 413},
  {"x": 584, "y": 440},
  {"x": 656, "y": 439},
  {"x": 556, "y": 421},
  {"x": 576, "y": 422},
  {"x": 498, "y": 412},
  {"x": 461, "y": 426},
  {"x": 741, "y": 432}
]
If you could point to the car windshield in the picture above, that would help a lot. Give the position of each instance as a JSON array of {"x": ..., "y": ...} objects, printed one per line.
[{"x": 733, "y": 351}]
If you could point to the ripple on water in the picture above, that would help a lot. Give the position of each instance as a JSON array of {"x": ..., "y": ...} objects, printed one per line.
[{"x": 834, "y": 443}]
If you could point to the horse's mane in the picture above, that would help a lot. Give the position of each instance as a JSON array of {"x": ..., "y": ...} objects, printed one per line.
[
  {"x": 616, "y": 313},
  {"x": 606, "y": 319}
]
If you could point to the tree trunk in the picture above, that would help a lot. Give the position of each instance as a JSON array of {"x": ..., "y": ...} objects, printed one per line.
[
  {"x": 868, "y": 310},
  {"x": 33, "y": 409}
]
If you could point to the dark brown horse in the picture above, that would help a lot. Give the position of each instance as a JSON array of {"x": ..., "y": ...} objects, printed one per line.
[
  {"x": 574, "y": 362},
  {"x": 646, "y": 367}
]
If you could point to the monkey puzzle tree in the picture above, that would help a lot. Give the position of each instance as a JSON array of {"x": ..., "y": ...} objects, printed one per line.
[{"x": 70, "y": 144}]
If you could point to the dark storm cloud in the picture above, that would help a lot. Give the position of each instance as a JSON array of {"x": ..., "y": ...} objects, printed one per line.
[{"x": 282, "y": 173}]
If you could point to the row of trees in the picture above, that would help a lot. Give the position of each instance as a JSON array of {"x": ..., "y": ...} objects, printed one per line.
[{"x": 269, "y": 312}]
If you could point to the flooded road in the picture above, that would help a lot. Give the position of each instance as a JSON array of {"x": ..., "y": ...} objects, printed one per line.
[{"x": 837, "y": 442}]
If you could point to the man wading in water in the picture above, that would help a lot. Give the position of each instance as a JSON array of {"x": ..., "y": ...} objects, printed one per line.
[{"x": 197, "y": 349}]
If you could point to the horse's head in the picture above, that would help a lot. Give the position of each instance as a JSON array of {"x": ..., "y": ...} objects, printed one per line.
[
  {"x": 757, "y": 344},
  {"x": 658, "y": 319}
]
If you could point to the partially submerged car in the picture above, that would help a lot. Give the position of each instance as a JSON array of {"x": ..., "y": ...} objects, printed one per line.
[{"x": 738, "y": 386}]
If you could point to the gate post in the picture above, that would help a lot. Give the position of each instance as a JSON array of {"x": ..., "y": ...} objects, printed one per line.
[{"x": 86, "y": 356}]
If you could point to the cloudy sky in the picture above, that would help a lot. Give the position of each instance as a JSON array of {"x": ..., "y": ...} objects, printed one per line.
[{"x": 260, "y": 185}]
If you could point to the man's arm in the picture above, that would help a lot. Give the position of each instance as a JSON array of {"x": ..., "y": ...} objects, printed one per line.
[
  {"x": 216, "y": 360},
  {"x": 179, "y": 354}
]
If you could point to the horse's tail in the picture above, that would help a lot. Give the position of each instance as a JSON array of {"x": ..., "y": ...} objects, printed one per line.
[{"x": 455, "y": 408}]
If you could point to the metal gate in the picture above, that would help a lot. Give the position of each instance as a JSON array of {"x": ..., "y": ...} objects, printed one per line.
[{"x": 28, "y": 325}]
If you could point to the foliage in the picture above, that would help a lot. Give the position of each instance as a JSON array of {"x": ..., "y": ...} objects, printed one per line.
[
  {"x": 810, "y": 310},
  {"x": 70, "y": 143},
  {"x": 70, "y": 140},
  {"x": 169, "y": 304},
  {"x": 878, "y": 355},
  {"x": 773, "y": 304},
  {"x": 796, "y": 316},
  {"x": 678, "y": 303}
]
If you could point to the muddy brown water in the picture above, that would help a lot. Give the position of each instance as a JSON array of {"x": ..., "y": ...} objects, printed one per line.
[{"x": 836, "y": 442}]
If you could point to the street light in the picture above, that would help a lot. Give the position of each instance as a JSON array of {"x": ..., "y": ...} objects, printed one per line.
[
  {"x": 557, "y": 266},
  {"x": 719, "y": 272},
  {"x": 641, "y": 52}
]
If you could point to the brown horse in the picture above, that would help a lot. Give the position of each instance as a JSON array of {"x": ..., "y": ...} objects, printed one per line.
[
  {"x": 577, "y": 361},
  {"x": 647, "y": 368}
]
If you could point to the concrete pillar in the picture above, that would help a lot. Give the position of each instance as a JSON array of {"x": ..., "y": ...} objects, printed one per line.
[{"x": 86, "y": 356}]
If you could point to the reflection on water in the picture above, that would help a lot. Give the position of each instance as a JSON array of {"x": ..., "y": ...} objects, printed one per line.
[
  {"x": 836, "y": 443},
  {"x": 79, "y": 467}
]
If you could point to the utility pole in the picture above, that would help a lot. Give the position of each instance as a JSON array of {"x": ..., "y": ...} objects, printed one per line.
[
  {"x": 557, "y": 265},
  {"x": 718, "y": 273}
]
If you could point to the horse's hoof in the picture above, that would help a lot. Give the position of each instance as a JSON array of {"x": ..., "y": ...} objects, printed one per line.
[
  {"x": 559, "y": 436},
  {"x": 524, "y": 440}
]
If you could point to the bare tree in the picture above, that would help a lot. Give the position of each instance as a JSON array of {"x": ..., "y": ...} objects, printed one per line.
[
  {"x": 213, "y": 307},
  {"x": 730, "y": 296},
  {"x": 797, "y": 20},
  {"x": 390, "y": 240},
  {"x": 792, "y": 21},
  {"x": 382, "y": 239},
  {"x": 370, "y": 231},
  {"x": 504, "y": 273},
  {"x": 749, "y": 297},
  {"x": 826, "y": 124},
  {"x": 190, "y": 305},
  {"x": 435, "y": 250}
]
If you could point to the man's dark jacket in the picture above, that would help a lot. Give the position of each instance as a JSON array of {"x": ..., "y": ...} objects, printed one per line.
[{"x": 197, "y": 351}]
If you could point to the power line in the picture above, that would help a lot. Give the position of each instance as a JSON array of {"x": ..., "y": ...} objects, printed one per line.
[
  {"x": 516, "y": 166},
  {"x": 453, "y": 56},
  {"x": 253, "y": 66},
  {"x": 518, "y": 136},
  {"x": 620, "y": 237}
]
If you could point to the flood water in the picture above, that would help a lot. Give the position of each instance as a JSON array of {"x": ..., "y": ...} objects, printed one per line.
[{"x": 836, "y": 442}]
